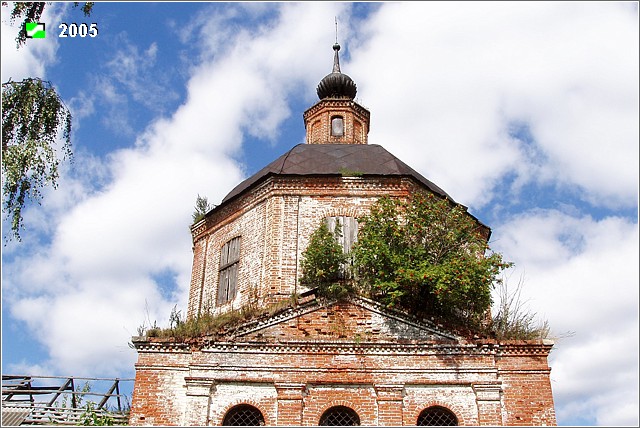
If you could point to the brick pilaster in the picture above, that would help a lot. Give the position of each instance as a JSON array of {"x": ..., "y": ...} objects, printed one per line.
[
  {"x": 488, "y": 399},
  {"x": 389, "y": 399},
  {"x": 290, "y": 403},
  {"x": 198, "y": 398}
]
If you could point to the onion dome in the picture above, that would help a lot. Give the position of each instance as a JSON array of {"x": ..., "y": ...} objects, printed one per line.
[{"x": 336, "y": 84}]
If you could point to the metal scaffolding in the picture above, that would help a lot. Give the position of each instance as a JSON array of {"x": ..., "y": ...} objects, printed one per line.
[{"x": 57, "y": 400}]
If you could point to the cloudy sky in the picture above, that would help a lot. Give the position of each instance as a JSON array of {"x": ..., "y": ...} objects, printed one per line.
[{"x": 527, "y": 113}]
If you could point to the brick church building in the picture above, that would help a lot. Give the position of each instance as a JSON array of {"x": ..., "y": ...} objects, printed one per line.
[{"x": 321, "y": 361}]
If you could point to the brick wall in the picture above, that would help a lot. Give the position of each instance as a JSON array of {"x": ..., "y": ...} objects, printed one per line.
[
  {"x": 527, "y": 389},
  {"x": 292, "y": 367},
  {"x": 317, "y": 121},
  {"x": 275, "y": 222},
  {"x": 387, "y": 382},
  {"x": 159, "y": 396}
]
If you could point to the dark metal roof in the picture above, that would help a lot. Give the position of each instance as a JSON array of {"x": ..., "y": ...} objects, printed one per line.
[
  {"x": 336, "y": 159},
  {"x": 336, "y": 84}
]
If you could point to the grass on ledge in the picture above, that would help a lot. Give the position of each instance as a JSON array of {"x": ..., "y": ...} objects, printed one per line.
[{"x": 207, "y": 324}]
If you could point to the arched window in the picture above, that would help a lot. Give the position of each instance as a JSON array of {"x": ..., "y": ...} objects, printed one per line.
[
  {"x": 337, "y": 126},
  {"x": 243, "y": 415},
  {"x": 339, "y": 416},
  {"x": 437, "y": 416}
]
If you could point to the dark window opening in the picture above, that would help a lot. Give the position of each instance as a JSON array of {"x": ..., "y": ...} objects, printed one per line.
[
  {"x": 339, "y": 416},
  {"x": 243, "y": 415},
  {"x": 228, "y": 278},
  {"x": 437, "y": 416}
]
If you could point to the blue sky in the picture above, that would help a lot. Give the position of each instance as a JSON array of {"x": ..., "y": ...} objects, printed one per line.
[{"x": 526, "y": 112}]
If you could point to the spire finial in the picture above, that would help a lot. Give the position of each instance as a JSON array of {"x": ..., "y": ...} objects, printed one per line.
[
  {"x": 336, "y": 84},
  {"x": 336, "y": 47}
]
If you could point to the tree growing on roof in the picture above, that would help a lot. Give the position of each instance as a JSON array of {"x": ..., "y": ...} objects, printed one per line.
[
  {"x": 201, "y": 208},
  {"x": 323, "y": 263},
  {"x": 425, "y": 256},
  {"x": 428, "y": 257}
]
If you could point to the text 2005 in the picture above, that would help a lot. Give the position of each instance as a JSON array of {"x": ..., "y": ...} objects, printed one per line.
[{"x": 78, "y": 30}]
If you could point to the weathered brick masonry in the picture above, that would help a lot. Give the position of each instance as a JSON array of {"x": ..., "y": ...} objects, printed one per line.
[
  {"x": 384, "y": 365},
  {"x": 318, "y": 359},
  {"x": 275, "y": 222}
]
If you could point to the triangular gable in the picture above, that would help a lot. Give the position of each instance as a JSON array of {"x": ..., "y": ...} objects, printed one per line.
[{"x": 356, "y": 319}]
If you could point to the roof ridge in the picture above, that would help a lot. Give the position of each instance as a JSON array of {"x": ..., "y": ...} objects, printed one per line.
[{"x": 286, "y": 156}]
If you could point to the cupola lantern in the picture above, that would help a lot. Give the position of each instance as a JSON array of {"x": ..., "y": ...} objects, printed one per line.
[{"x": 336, "y": 118}]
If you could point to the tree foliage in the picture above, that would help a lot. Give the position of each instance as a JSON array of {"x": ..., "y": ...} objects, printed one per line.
[
  {"x": 427, "y": 256},
  {"x": 92, "y": 417},
  {"x": 32, "y": 117},
  {"x": 201, "y": 208},
  {"x": 323, "y": 263},
  {"x": 31, "y": 12}
]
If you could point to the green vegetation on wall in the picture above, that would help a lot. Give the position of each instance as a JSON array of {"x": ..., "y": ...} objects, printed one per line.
[{"x": 425, "y": 256}]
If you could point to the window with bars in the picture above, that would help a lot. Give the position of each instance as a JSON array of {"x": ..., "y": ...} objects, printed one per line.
[
  {"x": 437, "y": 416},
  {"x": 228, "y": 278},
  {"x": 339, "y": 416},
  {"x": 243, "y": 415}
]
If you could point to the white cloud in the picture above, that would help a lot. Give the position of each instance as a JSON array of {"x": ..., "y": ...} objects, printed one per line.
[
  {"x": 109, "y": 246},
  {"x": 449, "y": 79},
  {"x": 133, "y": 71},
  {"x": 595, "y": 378},
  {"x": 581, "y": 275},
  {"x": 127, "y": 80},
  {"x": 81, "y": 106},
  {"x": 577, "y": 261}
]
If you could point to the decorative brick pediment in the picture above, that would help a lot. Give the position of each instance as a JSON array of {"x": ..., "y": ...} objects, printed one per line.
[{"x": 356, "y": 320}]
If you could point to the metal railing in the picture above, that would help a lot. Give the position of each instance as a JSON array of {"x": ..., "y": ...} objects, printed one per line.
[{"x": 48, "y": 400}]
